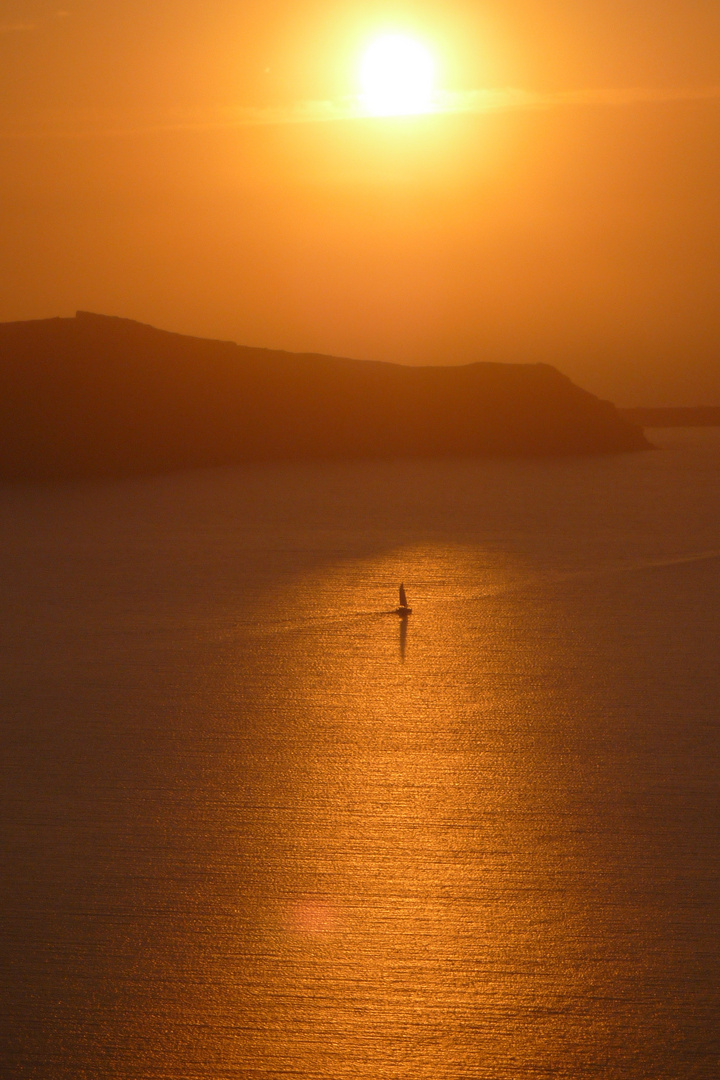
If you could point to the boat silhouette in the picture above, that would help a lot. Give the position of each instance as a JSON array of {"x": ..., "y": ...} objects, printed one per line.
[{"x": 403, "y": 609}]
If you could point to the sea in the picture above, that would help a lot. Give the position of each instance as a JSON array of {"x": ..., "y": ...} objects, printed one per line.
[{"x": 255, "y": 825}]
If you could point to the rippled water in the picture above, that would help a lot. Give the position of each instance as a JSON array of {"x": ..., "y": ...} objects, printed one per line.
[{"x": 254, "y": 825}]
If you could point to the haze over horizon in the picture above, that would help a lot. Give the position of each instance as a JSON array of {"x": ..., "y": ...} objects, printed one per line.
[{"x": 206, "y": 169}]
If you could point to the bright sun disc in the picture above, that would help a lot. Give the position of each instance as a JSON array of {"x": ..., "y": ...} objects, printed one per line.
[{"x": 396, "y": 76}]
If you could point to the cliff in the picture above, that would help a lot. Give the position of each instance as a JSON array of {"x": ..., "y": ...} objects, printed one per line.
[{"x": 98, "y": 395}]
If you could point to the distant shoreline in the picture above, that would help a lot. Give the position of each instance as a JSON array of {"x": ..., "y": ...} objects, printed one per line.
[{"x": 675, "y": 416}]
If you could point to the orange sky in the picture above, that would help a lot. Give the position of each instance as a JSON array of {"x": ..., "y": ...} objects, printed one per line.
[{"x": 197, "y": 165}]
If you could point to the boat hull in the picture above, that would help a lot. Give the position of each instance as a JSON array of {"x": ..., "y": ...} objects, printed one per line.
[{"x": 403, "y": 611}]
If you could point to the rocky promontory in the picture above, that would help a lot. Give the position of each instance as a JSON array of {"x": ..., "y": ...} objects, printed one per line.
[{"x": 97, "y": 395}]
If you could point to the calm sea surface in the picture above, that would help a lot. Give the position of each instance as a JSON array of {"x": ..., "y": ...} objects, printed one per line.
[{"x": 253, "y": 825}]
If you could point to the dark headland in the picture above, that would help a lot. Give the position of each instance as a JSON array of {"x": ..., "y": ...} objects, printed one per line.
[{"x": 98, "y": 395}]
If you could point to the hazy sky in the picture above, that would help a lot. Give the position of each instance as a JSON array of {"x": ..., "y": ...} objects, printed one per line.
[{"x": 202, "y": 166}]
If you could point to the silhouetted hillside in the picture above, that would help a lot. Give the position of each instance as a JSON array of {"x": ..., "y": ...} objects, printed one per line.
[
  {"x": 675, "y": 416},
  {"x": 100, "y": 395}
]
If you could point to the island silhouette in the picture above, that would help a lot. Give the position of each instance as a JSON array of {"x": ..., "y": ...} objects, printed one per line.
[{"x": 99, "y": 395}]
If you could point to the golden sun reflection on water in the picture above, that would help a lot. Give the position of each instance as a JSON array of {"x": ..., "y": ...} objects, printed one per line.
[{"x": 409, "y": 898}]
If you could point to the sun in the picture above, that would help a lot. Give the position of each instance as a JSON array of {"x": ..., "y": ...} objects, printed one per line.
[{"x": 397, "y": 75}]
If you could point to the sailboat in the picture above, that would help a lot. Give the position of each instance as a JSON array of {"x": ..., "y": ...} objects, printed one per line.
[{"x": 403, "y": 609}]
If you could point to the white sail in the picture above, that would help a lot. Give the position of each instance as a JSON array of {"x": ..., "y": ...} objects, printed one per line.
[{"x": 403, "y": 597}]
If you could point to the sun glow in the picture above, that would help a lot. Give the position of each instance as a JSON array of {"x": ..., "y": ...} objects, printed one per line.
[{"x": 397, "y": 75}]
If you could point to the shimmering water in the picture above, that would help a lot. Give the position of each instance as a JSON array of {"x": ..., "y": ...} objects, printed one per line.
[{"x": 255, "y": 826}]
